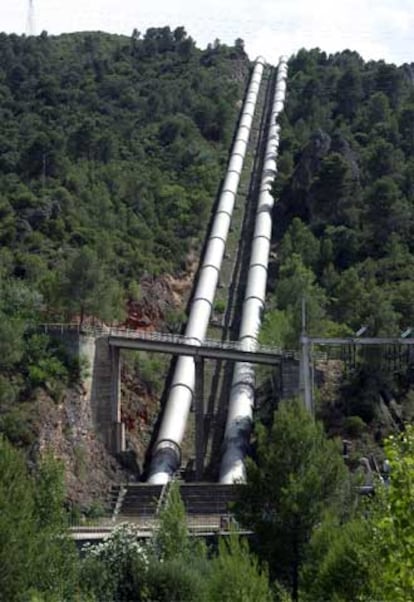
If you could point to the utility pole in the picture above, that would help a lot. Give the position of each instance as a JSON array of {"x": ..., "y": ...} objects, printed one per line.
[
  {"x": 305, "y": 363},
  {"x": 30, "y": 26}
]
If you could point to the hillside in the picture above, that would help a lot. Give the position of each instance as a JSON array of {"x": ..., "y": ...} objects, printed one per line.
[
  {"x": 344, "y": 226},
  {"x": 111, "y": 153},
  {"x": 345, "y": 217},
  {"x": 112, "y": 150},
  {"x": 110, "y": 145}
]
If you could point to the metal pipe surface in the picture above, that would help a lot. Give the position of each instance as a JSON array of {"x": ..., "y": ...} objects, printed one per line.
[
  {"x": 166, "y": 456},
  {"x": 240, "y": 414}
]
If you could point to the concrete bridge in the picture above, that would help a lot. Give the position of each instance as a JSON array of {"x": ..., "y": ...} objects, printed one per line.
[{"x": 101, "y": 347}]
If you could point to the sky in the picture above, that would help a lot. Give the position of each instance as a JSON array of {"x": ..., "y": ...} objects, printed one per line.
[{"x": 377, "y": 29}]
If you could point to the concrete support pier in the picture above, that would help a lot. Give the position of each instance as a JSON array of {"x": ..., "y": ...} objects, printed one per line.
[
  {"x": 199, "y": 417},
  {"x": 103, "y": 389},
  {"x": 117, "y": 426}
]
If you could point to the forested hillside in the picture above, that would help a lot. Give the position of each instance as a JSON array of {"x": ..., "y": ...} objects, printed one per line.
[
  {"x": 344, "y": 232},
  {"x": 345, "y": 216},
  {"x": 111, "y": 154},
  {"x": 110, "y": 145}
]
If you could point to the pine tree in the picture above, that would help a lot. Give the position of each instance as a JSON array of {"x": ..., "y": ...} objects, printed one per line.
[{"x": 297, "y": 473}]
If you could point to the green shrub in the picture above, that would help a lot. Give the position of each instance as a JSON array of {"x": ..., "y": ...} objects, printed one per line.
[
  {"x": 9, "y": 390},
  {"x": 236, "y": 575},
  {"x": 354, "y": 426},
  {"x": 15, "y": 425},
  {"x": 175, "y": 581},
  {"x": 219, "y": 306},
  {"x": 116, "y": 568}
]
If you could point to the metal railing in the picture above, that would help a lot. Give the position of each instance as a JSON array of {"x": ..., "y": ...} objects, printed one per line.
[
  {"x": 196, "y": 525},
  {"x": 163, "y": 337}
]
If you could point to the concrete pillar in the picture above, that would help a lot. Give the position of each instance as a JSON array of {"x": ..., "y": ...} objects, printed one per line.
[
  {"x": 117, "y": 426},
  {"x": 115, "y": 384},
  {"x": 101, "y": 382},
  {"x": 199, "y": 416},
  {"x": 118, "y": 437}
]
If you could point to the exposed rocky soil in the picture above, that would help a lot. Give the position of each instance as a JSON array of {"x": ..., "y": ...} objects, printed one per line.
[
  {"x": 66, "y": 429},
  {"x": 161, "y": 297}
]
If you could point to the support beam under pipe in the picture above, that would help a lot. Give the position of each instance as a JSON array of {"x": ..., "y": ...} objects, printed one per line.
[{"x": 199, "y": 417}]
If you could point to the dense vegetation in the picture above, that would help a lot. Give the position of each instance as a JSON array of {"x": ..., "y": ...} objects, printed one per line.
[
  {"x": 37, "y": 558},
  {"x": 320, "y": 538},
  {"x": 345, "y": 217},
  {"x": 109, "y": 147}
]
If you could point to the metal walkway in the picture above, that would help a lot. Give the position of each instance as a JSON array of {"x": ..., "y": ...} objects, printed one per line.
[{"x": 174, "y": 344}]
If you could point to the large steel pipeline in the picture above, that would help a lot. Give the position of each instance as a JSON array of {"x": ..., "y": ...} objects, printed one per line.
[
  {"x": 166, "y": 457},
  {"x": 240, "y": 413}
]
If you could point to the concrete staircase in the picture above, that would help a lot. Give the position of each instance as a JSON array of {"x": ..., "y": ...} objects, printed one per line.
[
  {"x": 208, "y": 498},
  {"x": 140, "y": 501},
  {"x": 208, "y": 505}
]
